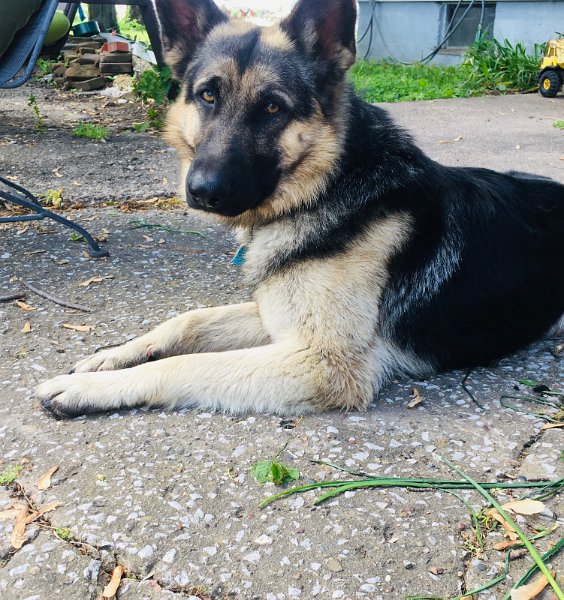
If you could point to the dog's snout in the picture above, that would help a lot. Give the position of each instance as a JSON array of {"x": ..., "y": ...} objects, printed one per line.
[{"x": 207, "y": 190}]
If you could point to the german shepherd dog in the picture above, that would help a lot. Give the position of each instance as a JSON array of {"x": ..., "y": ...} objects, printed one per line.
[{"x": 365, "y": 257}]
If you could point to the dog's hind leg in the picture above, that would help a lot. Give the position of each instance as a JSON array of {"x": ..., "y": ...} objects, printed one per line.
[
  {"x": 205, "y": 330},
  {"x": 281, "y": 378}
]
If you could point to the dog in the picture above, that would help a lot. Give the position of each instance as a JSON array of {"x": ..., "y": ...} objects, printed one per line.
[{"x": 365, "y": 257}]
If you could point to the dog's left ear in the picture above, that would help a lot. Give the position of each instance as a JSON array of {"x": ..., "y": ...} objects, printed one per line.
[
  {"x": 184, "y": 25},
  {"x": 325, "y": 29}
]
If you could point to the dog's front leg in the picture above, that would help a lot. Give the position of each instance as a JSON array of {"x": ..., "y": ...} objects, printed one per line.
[
  {"x": 281, "y": 378},
  {"x": 204, "y": 330}
]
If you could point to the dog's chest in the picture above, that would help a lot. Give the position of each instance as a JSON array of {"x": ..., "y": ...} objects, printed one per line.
[{"x": 328, "y": 300}]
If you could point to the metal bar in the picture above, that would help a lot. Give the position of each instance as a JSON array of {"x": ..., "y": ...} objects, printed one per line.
[{"x": 42, "y": 213}]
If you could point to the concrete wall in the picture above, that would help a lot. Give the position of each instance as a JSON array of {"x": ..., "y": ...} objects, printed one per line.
[{"x": 408, "y": 30}]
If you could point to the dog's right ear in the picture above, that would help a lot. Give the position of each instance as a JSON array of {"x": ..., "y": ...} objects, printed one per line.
[{"x": 184, "y": 25}]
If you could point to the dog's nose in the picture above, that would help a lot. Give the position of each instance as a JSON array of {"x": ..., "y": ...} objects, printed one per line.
[{"x": 207, "y": 191}]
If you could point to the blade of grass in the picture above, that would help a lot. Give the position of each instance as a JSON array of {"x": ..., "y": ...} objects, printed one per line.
[
  {"x": 344, "y": 485},
  {"x": 532, "y": 550},
  {"x": 140, "y": 224},
  {"x": 535, "y": 567}
]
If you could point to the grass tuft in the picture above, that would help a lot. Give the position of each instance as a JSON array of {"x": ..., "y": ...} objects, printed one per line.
[{"x": 96, "y": 133}]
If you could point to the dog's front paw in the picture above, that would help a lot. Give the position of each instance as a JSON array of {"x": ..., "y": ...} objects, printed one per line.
[{"x": 72, "y": 395}]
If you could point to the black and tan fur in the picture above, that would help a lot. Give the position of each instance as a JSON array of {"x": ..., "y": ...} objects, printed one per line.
[{"x": 365, "y": 257}]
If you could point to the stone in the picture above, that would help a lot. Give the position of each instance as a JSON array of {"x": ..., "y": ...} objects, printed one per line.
[
  {"x": 116, "y": 68},
  {"x": 81, "y": 72},
  {"x": 88, "y": 85},
  {"x": 116, "y": 57}
]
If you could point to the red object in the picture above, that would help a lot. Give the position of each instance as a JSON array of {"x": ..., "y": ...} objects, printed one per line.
[{"x": 115, "y": 47}]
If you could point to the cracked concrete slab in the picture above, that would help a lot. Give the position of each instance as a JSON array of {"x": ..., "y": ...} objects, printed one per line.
[{"x": 169, "y": 495}]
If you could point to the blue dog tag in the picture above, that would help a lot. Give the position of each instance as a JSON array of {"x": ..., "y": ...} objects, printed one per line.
[{"x": 240, "y": 257}]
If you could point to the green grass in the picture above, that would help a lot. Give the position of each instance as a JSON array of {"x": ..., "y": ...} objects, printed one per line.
[
  {"x": 9, "y": 475},
  {"x": 558, "y": 124},
  {"x": 132, "y": 29},
  {"x": 96, "y": 133},
  {"x": 386, "y": 82},
  {"x": 488, "y": 67},
  {"x": 63, "y": 533}
]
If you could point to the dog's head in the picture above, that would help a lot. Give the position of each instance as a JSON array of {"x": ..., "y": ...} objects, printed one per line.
[{"x": 258, "y": 123}]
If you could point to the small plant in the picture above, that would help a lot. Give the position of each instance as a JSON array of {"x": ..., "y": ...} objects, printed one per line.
[
  {"x": 63, "y": 533},
  {"x": 9, "y": 475},
  {"x": 53, "y": 198},
  {"x": 153, "y": 85},
  {"x": 502, "y": 66},
  {"x": 272, "y": 470},
  {"x": 96, "y": 133},
  {"x": 558, "y": 124},
  {"x": 39, "y": 124},
  {"x": 44, "y": 66}
]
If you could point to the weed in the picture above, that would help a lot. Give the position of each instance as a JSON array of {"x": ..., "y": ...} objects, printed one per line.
[
  {"x": 558, "y": 124},
  {"x": 39, "y": 124},
  {"x": 9, "y": 475},
  {"x": 153, "y": 85},
  {"x": 502, "y": 66},
  {"x": 96, "y": 133},
  {"x": 141, "y": 127},
  {"x": 44, "y": 66},
  {"x": 270, "y": 470},
  {"x": 53, "y": 198},
  {"x": 63, "y": 533}
]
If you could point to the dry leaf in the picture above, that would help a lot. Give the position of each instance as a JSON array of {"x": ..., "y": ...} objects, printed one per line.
[
  {"x": 552, "y": 425},
  {"x": 27, "y": 327},
  {"x": 98, "y": 279},
  {"x": 17, "y": 539},
  {"x": 22, "y": 230},
  {"x": 25, "y": 306},
  {"x": 42, "y": 510},
  {"x": 56, "y": 172},
  {"x": 456, "y": 139},
  {"x": 509, "y": 544},
  {"x": 509, "y": 531},
  {"x": 148, "y": 238},
  {"x": 78, "y": 327},
  {"x": 416, "y": 398},
  {"x": 111, "y": 589},
  {"x": 44, "y": 482},
  {"x": 531, "y": 590},
  {"x": 524, "y": 507}
]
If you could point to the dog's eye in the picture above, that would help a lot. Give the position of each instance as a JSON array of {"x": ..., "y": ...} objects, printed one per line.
[
  {"x": 208, "y": 96},
  {"x": 272, "y": 108}
]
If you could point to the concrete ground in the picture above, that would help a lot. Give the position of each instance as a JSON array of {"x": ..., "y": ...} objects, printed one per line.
[{"x": 170, "y": 496}]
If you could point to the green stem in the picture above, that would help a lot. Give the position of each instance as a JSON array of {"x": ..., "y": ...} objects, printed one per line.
[{"x": 532, "y": 550}]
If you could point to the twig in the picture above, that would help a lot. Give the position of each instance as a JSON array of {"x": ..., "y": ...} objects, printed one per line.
[
  {"x": 467, "y": 390},
  {"x": 54, "y": 299},
  {"x": 16, "y": 296}
]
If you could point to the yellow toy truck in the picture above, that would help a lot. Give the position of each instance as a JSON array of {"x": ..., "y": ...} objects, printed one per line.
[{"x": 552, "y": 68}]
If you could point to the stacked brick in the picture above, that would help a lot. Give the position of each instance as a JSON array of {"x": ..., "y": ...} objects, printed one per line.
[{"x": 89, "y": 62}]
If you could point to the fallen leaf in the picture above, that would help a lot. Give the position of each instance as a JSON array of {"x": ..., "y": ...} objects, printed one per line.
[
  {"x": 552, "y": 425},
  {"x": 111, "y": 589},
  {"x": 148, "y": 238},
  {"x": 96, "y": 279},
  {"x": 56, "y": 172},
  {"x": 22, "y": 230},
  {"x": 416, "y": 398},
  {"x": 509, "y": 531},
  {"x": 17, "y": 539},
  {"x": 531, "y": 590},
  {"x": 44, "y": 482},
  {"x": 524, "y": 507},
  {"x": 456, "y": 139},
  {"x": 78, "y": 327},
  {"x": 42, "y": 510},
  {"x": 24, "y": 306},
  {"x": 27, "y": 327},
  {"x": 508, "y": 544}
]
